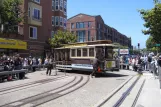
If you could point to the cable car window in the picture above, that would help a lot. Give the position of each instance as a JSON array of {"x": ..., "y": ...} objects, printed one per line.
[
  {"x": 91, "y": 52},
  {"x": 73, "y": 52},
  {"x": 78, "y": 52},
  {"x": 85, "y": 52},
  {"x": 109, "y": 53}
]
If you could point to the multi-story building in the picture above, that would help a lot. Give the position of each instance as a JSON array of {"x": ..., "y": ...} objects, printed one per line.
[
  {"x": 89, "y": 28},
  {"x": 43, "y": 19}
]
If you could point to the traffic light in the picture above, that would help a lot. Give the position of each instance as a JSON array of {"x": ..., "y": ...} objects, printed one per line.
[{"x": 138, "y": 44}]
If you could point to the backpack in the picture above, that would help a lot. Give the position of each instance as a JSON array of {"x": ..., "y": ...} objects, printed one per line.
[{"x": 149, "y": 59}]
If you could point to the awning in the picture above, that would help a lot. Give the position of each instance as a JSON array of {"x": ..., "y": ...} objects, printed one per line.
[{"x": 12, "y": 44}]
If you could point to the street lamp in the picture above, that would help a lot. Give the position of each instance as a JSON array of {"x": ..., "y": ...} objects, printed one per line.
[{"x": 0, "y": 24}]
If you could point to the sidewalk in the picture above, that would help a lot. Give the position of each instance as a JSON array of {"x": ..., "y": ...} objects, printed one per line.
[{"x": 151, "y": 93}]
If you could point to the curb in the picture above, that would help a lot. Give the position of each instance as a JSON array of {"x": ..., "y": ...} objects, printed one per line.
[{"x": 106, "y": 98}]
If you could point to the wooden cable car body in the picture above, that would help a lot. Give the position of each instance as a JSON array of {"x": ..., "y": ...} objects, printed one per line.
[{"x": 80, "y": 56}]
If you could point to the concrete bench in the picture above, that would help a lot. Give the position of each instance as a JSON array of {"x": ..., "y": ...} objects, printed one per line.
[{"x": 19, "y": 73}]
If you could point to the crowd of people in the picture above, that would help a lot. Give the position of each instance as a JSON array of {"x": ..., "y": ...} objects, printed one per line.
[
  {"x": 16, "y": 62},
  {"x": 143, "y": 62}
]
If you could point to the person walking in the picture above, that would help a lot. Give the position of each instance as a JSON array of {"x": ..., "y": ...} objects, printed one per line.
[
  {"x": 95, "y": 67},
  {"x": 149, "y": 63},
  {"x": 34, "y": 63},
  {"x": 97, "y": 61},
  {"x": 49, "y": 66}
]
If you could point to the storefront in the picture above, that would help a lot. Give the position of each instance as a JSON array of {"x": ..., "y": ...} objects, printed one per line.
[{"x": 11, "y": 46}]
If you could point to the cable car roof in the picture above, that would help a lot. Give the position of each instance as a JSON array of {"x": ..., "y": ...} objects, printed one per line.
[{"x": 85, "y": 45}]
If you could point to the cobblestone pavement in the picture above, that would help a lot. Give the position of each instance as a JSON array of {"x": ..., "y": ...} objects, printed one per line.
[{"x": 70, "y": 90}]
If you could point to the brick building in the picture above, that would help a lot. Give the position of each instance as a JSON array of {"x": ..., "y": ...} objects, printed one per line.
[
  {"x": 43, "y": 19},
  {"x": 89, "y": 28}
]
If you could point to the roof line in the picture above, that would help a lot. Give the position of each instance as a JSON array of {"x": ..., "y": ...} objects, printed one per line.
[{"x": 82, "y": 14}]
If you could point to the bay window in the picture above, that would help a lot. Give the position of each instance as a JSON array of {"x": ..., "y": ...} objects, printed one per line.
[
  {"x": 57, "y": 20},
  {"x": 56, "y": 4}
]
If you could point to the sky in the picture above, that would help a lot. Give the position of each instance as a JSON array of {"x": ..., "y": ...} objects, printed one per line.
[{"x": 122, "y": 15}]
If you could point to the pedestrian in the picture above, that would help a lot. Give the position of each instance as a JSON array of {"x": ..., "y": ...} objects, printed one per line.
[
  {"x": 34, "y": 63},
  {"x": 49, "y": 66},
  {"x": 97, "y": 61},
  {"x": 149, "y": 62},
  {"x": 95, "y": 67},
  {"x": 159, "y": 69}
]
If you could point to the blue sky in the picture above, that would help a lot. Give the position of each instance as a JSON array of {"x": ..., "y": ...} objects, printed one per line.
[{"x": 120, "y": 14}]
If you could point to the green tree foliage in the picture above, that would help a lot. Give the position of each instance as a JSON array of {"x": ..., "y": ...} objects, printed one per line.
[
  {"x": 62, "y": 38},
  {"x": 11, "y": 15},
  {"x": 150, "y": 43},
  {"x": 152, "y": 20}
]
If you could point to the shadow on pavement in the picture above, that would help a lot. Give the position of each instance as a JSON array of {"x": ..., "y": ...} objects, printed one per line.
[{"x": 99, "y": 75}]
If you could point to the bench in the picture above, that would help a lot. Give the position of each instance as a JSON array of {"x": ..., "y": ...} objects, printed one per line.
[{"x": 19, "y": 73}]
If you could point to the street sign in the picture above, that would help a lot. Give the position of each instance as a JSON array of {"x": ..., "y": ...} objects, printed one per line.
[
  {"x": 157, "y": 45},
  {"x": 124, "y": 51}
]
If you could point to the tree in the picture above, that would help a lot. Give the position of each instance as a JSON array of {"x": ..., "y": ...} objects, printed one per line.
[
  {"x": 152, "y": 20},
  {"x": 150, "y": 43},
  {"x": 62, "y": 38},
  {"x": 11, "y": 15}
]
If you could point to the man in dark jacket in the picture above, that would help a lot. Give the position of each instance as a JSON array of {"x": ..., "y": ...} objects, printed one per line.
[
  {"x": 97, "y": 61},
  {"x": 95, "y": 67},
  {"x": 17, "y": 63}
]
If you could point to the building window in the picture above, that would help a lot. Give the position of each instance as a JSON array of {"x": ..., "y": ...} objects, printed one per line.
[
  {"x": 37, "y": 1},
  {"x": 72, "y": 25},
  {"x": 52, "y": 34},
  {"x": 85, "y": 52},
  {"x": 91, "y": 52},
  {"x": 80, "y": 25},
  {"x": 79, "y": 53},
  {"x": 29, "y": 12},
  {"x": 57, "y": 20},
  {"x": 53, "y": 4},
  {"x": 65, "y": 8},
  {"x": 89, "y": 24},
  {"x": 56, "y": 4},
  {"x": 33, "y": 32},
  {"x": 61, "y": 21},
  {"x": 53, "y": 20},
  {"x": 61, "y": 4},
  {"x": 99, "y": 26},
  {"x": 99, "y": 35},
  {"x": 73, "y": 53},
  {"x": 65, "y": 23},
  {"x": 81, "y": 36},
  {"x": 89, "y": 34},
  {"x": 36, "y": 14}
]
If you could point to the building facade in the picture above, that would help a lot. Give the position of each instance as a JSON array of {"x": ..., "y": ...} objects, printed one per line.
[
  {"x": 89, "y": 28},
  {"x": 42, "y": 20}
]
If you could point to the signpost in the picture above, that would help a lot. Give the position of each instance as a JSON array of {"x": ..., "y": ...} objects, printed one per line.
[{"x": 157, "y": 45}]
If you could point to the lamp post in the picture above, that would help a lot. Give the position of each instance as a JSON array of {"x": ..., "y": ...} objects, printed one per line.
[{"x": 0, "y": 24}]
